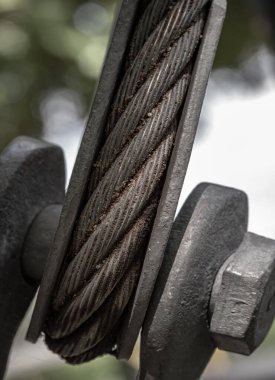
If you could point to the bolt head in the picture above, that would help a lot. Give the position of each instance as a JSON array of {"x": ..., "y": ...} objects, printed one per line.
[{"x": 245, "y": 304}]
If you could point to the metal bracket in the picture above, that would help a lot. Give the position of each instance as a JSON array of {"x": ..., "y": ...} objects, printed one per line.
[
  {"x": 216, "y": 288},
  {"x": 32, "y": 178},
  {"x": 176, "y": 342}
]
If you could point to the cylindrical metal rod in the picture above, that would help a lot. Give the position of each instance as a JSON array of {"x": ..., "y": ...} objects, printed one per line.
[
  {"x": 38, "y": 242},
  {"x": 32, "y": 177}
]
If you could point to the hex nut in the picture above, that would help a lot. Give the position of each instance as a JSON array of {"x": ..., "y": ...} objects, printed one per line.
[{"x": 244, "y": 302}]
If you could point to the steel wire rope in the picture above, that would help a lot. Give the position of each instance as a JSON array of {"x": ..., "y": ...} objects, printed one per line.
[{"x": 104, "y": 260}]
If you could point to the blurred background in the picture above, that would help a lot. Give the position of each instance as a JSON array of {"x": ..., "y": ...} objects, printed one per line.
[{"x": 51, "y": 54}]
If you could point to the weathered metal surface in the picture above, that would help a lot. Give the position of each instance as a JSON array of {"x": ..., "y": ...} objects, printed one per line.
[
  {"x": 244, "y": 296},
  {"x": 176, "y": 342},
  {"x": 175, "y": 177},
  {"x": 89, "y": 147},
  {"x": 32, "y": 177}
]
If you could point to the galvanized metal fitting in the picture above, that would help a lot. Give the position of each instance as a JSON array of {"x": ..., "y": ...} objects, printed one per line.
[{"x": 243, "y": 296}]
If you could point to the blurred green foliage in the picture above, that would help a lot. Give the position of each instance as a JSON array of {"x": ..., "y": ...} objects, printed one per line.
[
  {"x": 57, "y": 45},
  {"x": 106, "y": 368},
  {"x": 45, "y": 46}
]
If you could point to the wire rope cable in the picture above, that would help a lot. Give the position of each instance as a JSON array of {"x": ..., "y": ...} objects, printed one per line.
[{"x": 103, "y": 263}]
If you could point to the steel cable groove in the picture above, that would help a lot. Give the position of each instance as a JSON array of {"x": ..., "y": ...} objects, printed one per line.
[{"x": 104, "y": 260}]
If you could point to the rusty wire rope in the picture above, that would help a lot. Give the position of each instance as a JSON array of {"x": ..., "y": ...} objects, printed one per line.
[{"x": 104, "y": 260}]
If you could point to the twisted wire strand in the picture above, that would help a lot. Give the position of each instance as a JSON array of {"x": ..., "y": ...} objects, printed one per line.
[
  {"x": 86, "y": 302},
  {"x": 104, "y": 260},
  {"x": 163, "y": 36},
  {"x": 115, "y": 223},
  {"x": 138, "y": 148},
  {"x": 152, "y": 15},
  {"x": 107, "y": 346},
  {"x": 166, "y": 73},
  {"x": 79, "y": 342}
]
